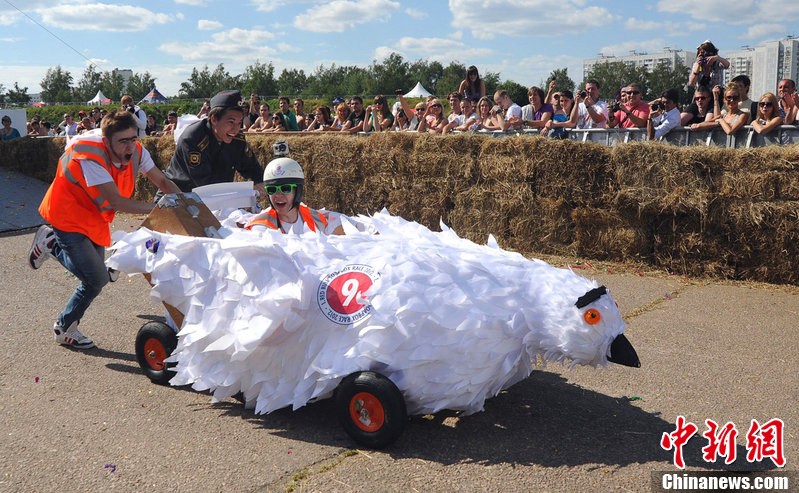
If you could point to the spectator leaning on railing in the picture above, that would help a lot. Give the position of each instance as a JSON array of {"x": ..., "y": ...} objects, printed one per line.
[
  {"x": 789, "y": 100},
  {"x": 664, "y": 115}
]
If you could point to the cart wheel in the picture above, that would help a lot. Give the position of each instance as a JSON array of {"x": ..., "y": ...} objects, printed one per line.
[
  {"x": 154, "y": 343},
  {"x": 371, "y": 409}
]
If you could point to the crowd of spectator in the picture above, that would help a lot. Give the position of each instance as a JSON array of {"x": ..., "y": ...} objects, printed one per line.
[{"x": 727, "y": 107}]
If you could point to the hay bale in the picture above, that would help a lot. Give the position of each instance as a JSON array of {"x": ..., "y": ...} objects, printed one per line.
[{"x": 605, "y": 234}]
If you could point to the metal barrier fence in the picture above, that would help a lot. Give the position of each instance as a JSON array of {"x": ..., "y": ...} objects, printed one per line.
[{"x": 682, "y": 136}]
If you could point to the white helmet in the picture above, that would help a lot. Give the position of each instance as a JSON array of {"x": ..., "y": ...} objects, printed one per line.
[{"x": 284, "y": 169}]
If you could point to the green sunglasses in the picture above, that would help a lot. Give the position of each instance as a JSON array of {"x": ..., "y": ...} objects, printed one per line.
[{"x": 285, "y": 189}]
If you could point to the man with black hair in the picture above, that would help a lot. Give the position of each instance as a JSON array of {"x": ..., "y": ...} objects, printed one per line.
[
  {"x": 212, "y": 149},
  {"x": 665, "y": 115}
]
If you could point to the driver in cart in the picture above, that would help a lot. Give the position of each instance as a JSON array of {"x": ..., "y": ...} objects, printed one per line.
[{"x": 284, "y": 183}]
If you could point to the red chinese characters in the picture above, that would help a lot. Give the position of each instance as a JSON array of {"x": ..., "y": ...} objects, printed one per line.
[
  {"x": 677, "y": 439},
  {"x": 765, "y": 442},
  {"x": 762, "y": 441}
]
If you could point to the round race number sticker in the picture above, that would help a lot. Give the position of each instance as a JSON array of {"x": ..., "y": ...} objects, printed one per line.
[{"x": 340, "y": 293}]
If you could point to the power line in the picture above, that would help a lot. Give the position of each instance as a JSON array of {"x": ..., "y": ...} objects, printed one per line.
[{"x": 51, "y": 33}]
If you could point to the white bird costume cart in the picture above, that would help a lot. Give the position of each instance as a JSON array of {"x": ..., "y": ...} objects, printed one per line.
[{"x": 406, "y": 321}]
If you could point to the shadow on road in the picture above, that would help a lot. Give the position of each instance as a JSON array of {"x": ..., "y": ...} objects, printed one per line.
[{"x": 543, "y": 420}]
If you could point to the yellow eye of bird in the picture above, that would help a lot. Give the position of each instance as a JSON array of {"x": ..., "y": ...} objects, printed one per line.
[{"x": 592, "y": 316}]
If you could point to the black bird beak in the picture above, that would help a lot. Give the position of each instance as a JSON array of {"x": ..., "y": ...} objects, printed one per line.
[{"x": 623, "y": 353}]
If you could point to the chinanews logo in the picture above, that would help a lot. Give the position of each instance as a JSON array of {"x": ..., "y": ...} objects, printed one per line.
[{"x": 340, "y": 294}]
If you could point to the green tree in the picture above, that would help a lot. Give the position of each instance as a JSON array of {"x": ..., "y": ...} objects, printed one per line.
[
  {"x": 139, "y": 85},
  {"x": 112, "y": 84},
  {"x": 562, "y": 80},
  {"x": 663, "y": 78},
  {"x": 612, "y": 76},
  {"x": 204, "y": 83},
  {"x": 516, "y": 91},
  {"x": 450, "y": 79},
  {"x": 2, "y": 93},
  {"x": 291, "y": 82},
  {"x": 88, "y": 84},
  {"x": 259, "y": 79},
  {"x": 57, "y": 85},
  {"x": 428, "y": 73},
  {"x": 389, "y": 75},
  {"x": 17, "y": 95}
]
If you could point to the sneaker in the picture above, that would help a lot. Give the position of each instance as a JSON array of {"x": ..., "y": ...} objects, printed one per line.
[
  {"x": 113, "y": 274},
  {"x": 42, "y": 246},
  {"x": 71, "y": 336}
]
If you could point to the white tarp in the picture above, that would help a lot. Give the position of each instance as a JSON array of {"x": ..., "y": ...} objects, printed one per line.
[
  {"x": 99, "y": 99},
  {"x": 418, "y": 91}
]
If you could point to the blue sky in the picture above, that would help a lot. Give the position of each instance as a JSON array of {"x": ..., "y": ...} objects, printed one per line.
[{"x": 523, "y": 40}]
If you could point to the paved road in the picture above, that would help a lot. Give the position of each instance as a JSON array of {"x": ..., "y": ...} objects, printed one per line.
[{"x": 90, "y": 421}]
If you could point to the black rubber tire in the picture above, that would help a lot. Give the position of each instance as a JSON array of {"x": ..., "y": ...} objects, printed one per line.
[
  {"x": 380, "y": 392},
  {"x": 161, "y": 341}
]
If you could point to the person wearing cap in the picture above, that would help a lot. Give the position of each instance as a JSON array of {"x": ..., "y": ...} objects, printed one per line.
[
  {"x": 212, "y": 149},
  {"x": 284, "y": 182},
  {"x": 138, "y": 113}
]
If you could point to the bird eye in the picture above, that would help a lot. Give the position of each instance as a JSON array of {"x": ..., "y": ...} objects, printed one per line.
[{"x": 592, "y": 316}]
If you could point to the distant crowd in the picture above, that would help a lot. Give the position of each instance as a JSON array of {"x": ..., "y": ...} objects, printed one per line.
[{"x": 470, "y": 109}]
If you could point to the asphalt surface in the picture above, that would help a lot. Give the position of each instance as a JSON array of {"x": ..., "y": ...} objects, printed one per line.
[{"x": 90, "y": 421}]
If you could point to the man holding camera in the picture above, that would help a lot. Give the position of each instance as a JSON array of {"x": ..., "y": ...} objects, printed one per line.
[
  {"x": 589, "y": 111},
  {"x": 664, "y": 116},
  {"x": 634, "y": 113},
  {"x": 138, "y": 113}
]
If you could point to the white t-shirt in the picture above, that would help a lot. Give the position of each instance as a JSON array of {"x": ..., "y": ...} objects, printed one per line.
[
  {"x": 514, "y": 110},
  {"x": 584, "y": 119},
  {"x": 94, "y": 174}
]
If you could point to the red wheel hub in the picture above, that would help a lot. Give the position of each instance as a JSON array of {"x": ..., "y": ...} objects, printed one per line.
[
  {"x": 155, "y": 353},
  {"x": 367, "y": 412}
]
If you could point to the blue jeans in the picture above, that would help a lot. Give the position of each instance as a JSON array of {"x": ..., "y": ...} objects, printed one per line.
[{"x": 86, "y": 260}]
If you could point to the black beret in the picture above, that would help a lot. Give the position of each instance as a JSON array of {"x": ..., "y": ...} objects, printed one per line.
[{"x": 226, "y": 99}]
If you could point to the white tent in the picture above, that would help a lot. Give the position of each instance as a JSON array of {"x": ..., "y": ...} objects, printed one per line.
[
  {"x": 99, "y": 99},
  {"x": 418, "y": 91}
]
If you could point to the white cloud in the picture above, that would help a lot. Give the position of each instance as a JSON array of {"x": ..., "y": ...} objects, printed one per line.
[
  {"x": 272, "y": 5},
  {"x": 760, "y": 31},
  {"x": 341, "y": 15},
  {"x": 206, "y": 25},
  {"x": 10, "y": 40},
  {"x": 635, "y": 24},
  {"x": 487, "y": 19},
  {"x": 415, "y": 13},
  {"x": 234, "y": 44},
  {"x": 194, "y": 3},
  {"x": 623, "y": 49},
  {"x": 737, "y": 12},
  {"x": 102, "y": 17},
  {"x": 9, "y": 18},
  {"x": 441, "y": 49}
]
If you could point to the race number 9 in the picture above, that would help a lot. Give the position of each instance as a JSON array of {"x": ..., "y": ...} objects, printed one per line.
[{"x": 345, "y": 290}]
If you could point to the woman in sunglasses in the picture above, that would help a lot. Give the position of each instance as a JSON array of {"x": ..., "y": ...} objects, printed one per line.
[
  {"x": 768, "y": 116},
  {"x": 434, "y": 120},
  {"x": 732, "y": 119},
  {"x": 284, "y": 183}
]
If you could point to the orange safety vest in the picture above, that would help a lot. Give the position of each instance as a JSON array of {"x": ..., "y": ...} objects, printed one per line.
[
  {"x": 71, "y": 205},
  {"x": 313, "y": 218}
]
